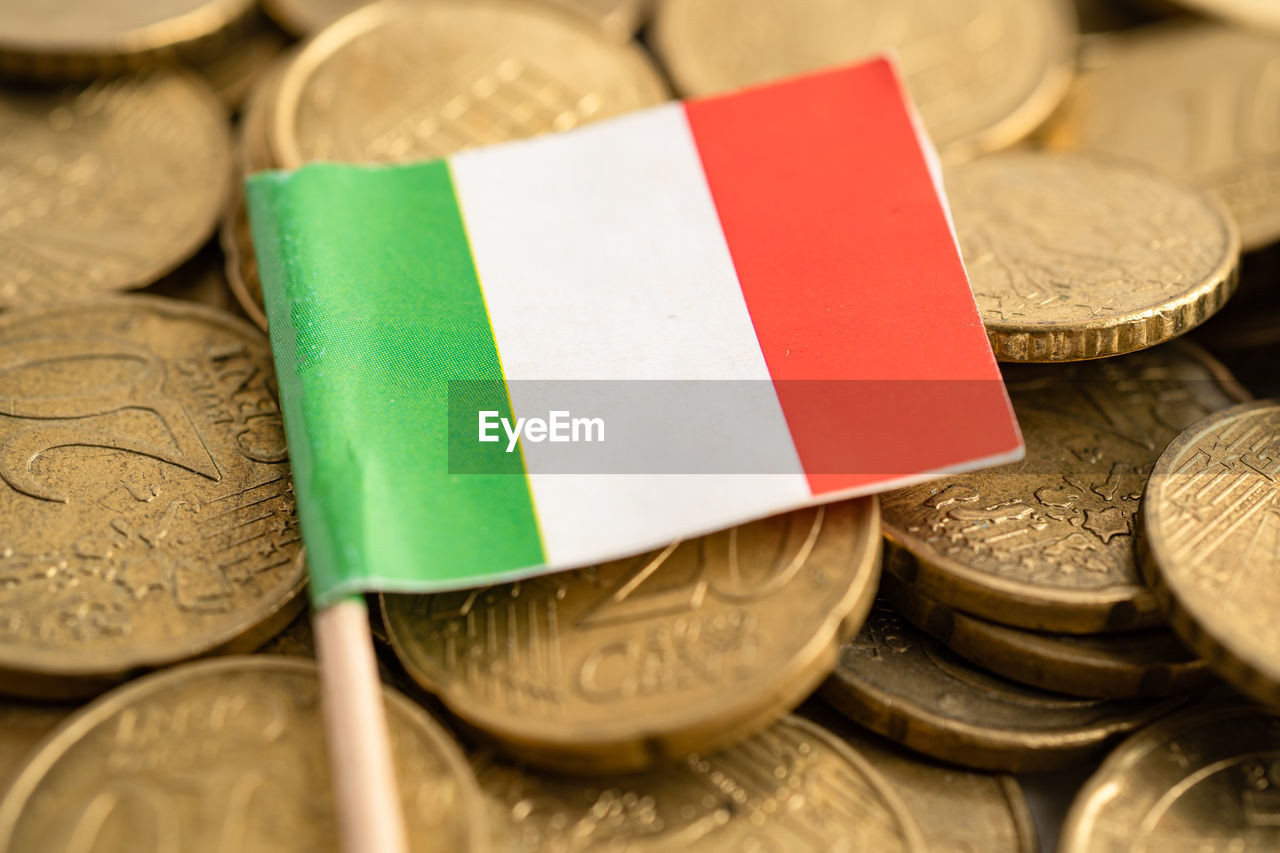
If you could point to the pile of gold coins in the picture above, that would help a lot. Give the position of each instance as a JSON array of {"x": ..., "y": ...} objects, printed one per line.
[{"x": 1099, "y": 619}]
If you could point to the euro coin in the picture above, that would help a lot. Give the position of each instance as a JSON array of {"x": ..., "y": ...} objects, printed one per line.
[
  {"x": 146, "y": 507},
  {"x": 793, "y": 787},
  {"x": 1048, "y": 543},
  {"x": 1075, "y": 257},
  {"x": 1249, "y": 14},
  {"x": 619, "y": 666},
  {"x": 108, "y": 187},
  {"x": 1196, "y": 101},
  {"x": 1206, "y": 779},
  {"x": 984, "y": 73},
  {"x": 903, "y": 684},
  {"x": 225, "y": 755},
  {"x": 81, "y": 39},
  {"x": 1211, "y": 524},
  {"x": 413, "y": 81},
  {"x": 1123, "y": 665}
]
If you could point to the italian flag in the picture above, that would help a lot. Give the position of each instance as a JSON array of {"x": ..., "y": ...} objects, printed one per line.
[{"x": 776, "y": 264}]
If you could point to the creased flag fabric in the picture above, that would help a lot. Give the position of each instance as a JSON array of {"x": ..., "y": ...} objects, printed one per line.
[{"x": 792, "y": 237}]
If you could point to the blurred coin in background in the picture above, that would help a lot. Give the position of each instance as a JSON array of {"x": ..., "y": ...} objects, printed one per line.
[
  {"x": 1206, "y": 779},
  {"x": 903, "y": 684},
  {"x": 1211, "y": 525},
  {"x": 1048, "y": 543},
  {"x": 108, "y": 187},
  {"x": 1197, "y": 100},
  {"x": 229, "y": 754},
  {"x": 81, "y": 39},
  {"x": 234, "y": 70},
  {"x": 412, "y": 81},
  {"x": 793, "y": 787},
  {"x": 147, "y": 514},
  {"x": 619, "y": 666},
  {"x": 984, "y": 73},
  {"x": 1075, "y": 257}
]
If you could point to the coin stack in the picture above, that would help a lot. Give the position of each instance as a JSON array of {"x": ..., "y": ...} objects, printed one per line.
[{"x": 764, "y": 688}]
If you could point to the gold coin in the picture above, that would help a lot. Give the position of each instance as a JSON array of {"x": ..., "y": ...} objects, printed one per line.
[
  {"x": 297, "y": 640},
  {"x": 1074, "y": 257},
  {"x": 1195, "y": 101},
  {"x": 957, "y": 810},
  {"x": 80, "y": 39},
  {"x": 225, "y": 755},
  {"x": 905, "y": 685},
  {"x": 236, "y": 238},
  {"x": 233, "y": 72},
  {"x": 108, "y": 187},
  {"x": 1211, "y": 525},
  {"x": 1258, "y": 14},
  {"x": 984, "y": 73},
  {"x": 617, "y": 666},
  {"x": 617, "y": 18},
  {"x": 22, "y": 726},
  {"x": 1047, "y": 543},
  {"x": 1206, "y": 779},
  {"x": 1125, "y": 665},
  {"x": 409, "y": 81},
  {"x": 146, "y": 508},
  {"x": 792, "y": 787}
]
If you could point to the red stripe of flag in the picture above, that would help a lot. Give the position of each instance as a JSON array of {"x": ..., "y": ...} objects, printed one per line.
[{"x": 850, "y": 272}]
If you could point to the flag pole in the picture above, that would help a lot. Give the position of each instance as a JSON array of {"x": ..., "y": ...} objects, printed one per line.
[{"x": 365, "y": 793}]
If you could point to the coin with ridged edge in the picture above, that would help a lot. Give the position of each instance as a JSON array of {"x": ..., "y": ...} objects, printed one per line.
[
  {"x": 1211, "y": 542},
  {"x": 903, "y": 684},
  {"x": 1048, "y": 543},
  {"x": 108, "y": 187},
  {"x": 1196, "y": 101},
  {"x": 1076, "y": 257},
  {"x": 146, "y": 508},
  {"x": 1206, "y": 779},
  {"x": 984, "y": 73},
  {"x": 225, "y": 755},
  {"x": 412, "y": 81},
  {"x": 81, "y": 39},
  {"x": 619, "y": 666},
  {"x": 1123, "y": 665},
  {"x": 794, "y": 786}
]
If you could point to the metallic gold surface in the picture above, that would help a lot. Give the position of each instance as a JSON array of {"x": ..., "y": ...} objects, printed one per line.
[
  {"x": 901, "y": 683},
  {"x": 617, "y": 18},
  {"x": 233, "y": 72},
  {"x": 1255, "y": 14},
  {"x": 408, "y": 81},
  {"x": 79, "y": 39},
  {"x": 1124, "y": 665},
  {"x": 146, "y": 509},
  {"x": 791, "y": 787},
  {"x": 22, "y": 726},
  {"x": 224, "y": 755},
  {"x": 957, "y": 810},
  {"x": 1211, "y": 525},
  {"x": 1075, "y": 257},
  {"x": 1048, "y": 543},
  {"x": 236, "y": 239},
  {"x": 108, "y": 187},
  {"x": 984, "y": 73},
  {"x": 1197, "y": 101},
  {"x": 617, "y": 666},
  {"x": 1207, "y": 779}
]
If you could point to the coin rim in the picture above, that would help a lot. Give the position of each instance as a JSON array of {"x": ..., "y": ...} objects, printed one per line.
[
  {"x": 625, "y": 744},
  {"x": 1017, "y": 124},
  {"x": 285, "y": 149},
  {"x": 1245, "y": 669},
  {"x": 33, "y": 668},
  {"x": 1026, "y": 605},
  {"x": 55, "y": 745},
  {"x": 1126, "y": 331},
  {"x": 1117, "y": 768}
]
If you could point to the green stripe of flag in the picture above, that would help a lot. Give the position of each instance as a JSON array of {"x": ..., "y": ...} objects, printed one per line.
[{"x": 380, "y": 289}]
